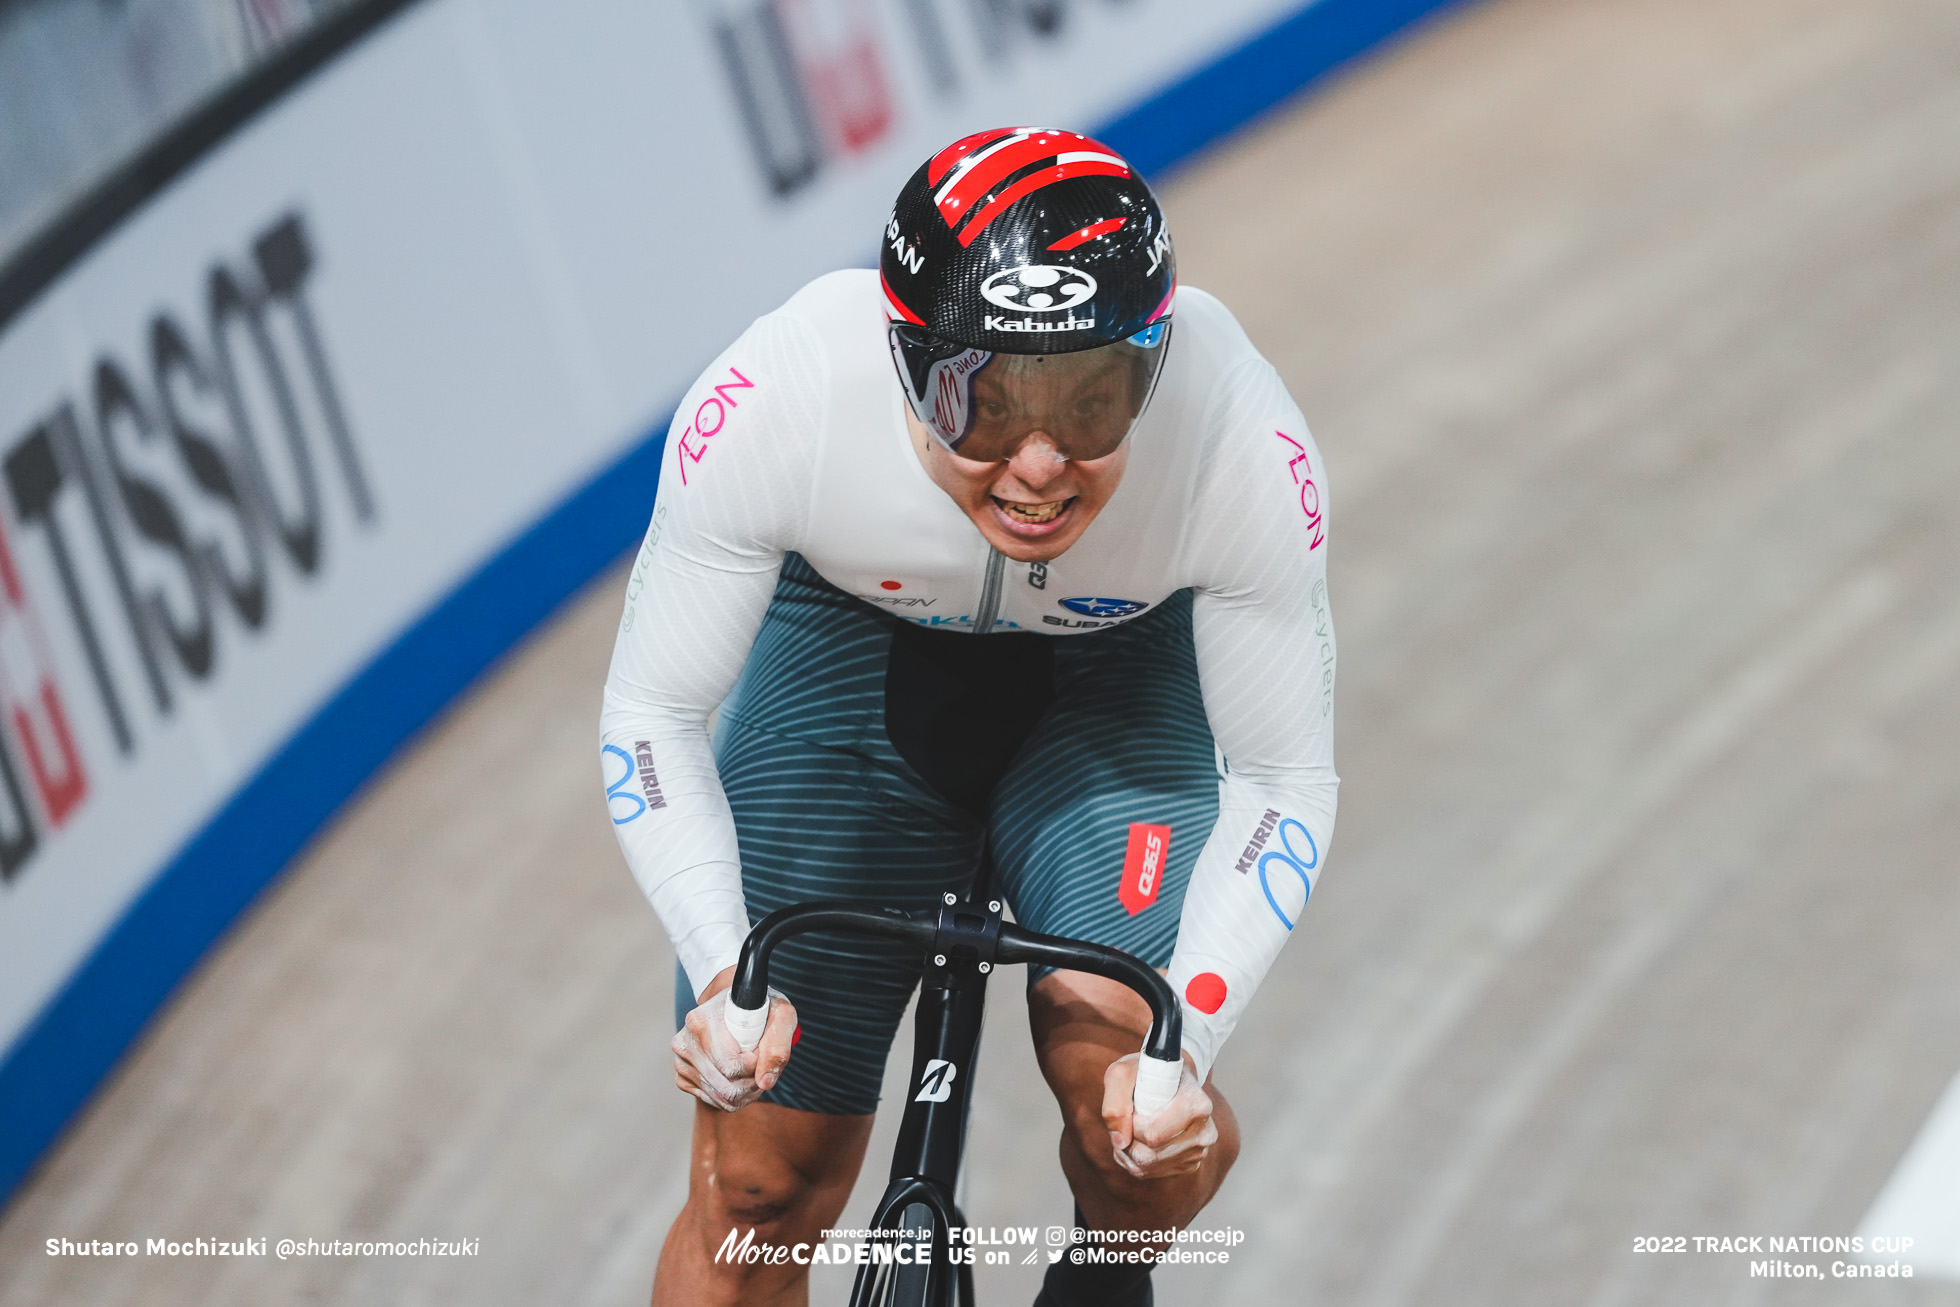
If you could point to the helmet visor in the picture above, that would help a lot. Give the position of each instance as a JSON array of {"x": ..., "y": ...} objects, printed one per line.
[{"x": 981, "y": 405}]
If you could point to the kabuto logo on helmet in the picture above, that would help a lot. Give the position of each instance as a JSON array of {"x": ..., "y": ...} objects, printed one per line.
[{"x": 1038, "y": 288}]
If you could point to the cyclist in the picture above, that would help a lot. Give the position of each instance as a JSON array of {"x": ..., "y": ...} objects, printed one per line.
[{"x": 1011, "y": 549}]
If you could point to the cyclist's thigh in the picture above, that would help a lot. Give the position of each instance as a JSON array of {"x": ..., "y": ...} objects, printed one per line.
[
  {"x": 1125, "y": 742},
  {"x": 825, "y": 809}
]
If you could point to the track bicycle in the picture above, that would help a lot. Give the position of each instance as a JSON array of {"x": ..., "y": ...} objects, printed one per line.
[{"x": 963, "y": 941}]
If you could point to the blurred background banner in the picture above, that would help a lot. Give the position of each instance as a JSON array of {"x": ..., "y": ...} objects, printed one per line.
[{"x": 336, "y": 344}]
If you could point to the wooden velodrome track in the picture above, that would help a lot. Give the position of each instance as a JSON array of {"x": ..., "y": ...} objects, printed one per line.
[{"x": 1631, "y": 330}]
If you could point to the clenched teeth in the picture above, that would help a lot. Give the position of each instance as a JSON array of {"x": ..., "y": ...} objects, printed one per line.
[{"x": 1033, "y": 513}]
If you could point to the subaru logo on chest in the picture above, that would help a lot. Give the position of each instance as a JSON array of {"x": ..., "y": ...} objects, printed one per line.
[{"x": 1089, "y": 607}]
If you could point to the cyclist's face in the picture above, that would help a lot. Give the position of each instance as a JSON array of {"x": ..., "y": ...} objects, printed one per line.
[{"x": 1032, "y": 505}]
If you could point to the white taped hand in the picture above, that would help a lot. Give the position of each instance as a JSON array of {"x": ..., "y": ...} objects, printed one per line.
[
  {"x": 709, "y": 1062},
  {"x": 1175, "y": 1141}
]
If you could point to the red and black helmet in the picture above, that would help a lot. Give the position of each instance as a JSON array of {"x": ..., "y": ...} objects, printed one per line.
[{"x": 1026, "y": 241}]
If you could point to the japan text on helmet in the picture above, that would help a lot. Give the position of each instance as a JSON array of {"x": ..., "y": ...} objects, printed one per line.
[{"x": 1028, "y": 278}]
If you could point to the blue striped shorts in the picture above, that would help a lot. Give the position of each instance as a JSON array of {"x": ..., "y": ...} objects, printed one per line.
[{"x": 866, "y": 757}]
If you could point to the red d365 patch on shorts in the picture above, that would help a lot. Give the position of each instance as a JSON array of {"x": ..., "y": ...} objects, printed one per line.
[{"x": 1143, "y": 866}]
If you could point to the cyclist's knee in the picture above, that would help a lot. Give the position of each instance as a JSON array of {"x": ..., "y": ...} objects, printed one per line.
[
  {"x": 1082, "y": 1023},
  {"x": 758, "y": 1191},
  {"x": 769, "y": 1165}
]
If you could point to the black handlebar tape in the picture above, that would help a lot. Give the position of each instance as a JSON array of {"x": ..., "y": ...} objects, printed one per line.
[
  {"x": 1166, "y": 1038},
  {"x": 751, "y": 988}
]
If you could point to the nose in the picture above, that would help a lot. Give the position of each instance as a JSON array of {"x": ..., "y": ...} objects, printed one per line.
[{"x": 1037, "y": 461}]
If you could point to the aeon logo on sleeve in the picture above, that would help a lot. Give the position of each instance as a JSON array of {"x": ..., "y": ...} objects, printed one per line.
[
  {"x": 1309, "y": 491},
  {"x": 710, "y": 416},
  {"x": 1091, "y": 607},
  {"x": 1038, "y": 288}
]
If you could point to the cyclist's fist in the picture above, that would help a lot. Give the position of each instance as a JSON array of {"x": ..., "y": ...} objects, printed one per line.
[
  {"x": 708, "y": 1060},
  {"x": 1173, "y": 1142}
]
